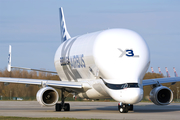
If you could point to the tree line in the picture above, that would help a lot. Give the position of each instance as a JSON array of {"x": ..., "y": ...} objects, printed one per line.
[
  {"x": 22, "y": 90},
  {"x": 174, "y": 88}
]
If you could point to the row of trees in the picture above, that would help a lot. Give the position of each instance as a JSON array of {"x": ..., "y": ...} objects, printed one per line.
[
  {"x": 16, "y": 73},
  {"x": 21, "y": 90},
  {"x": 174, "y": 88}
]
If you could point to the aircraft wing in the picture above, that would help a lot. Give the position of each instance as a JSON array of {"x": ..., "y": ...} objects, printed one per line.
[
  {"x": 161, "y": 80},
  {"x": 52, "y": 83}
]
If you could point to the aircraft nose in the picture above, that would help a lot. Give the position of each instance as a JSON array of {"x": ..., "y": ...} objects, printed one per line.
[
  {"x": 133, "y": 95},
  {"x": 128, "y": 95}
]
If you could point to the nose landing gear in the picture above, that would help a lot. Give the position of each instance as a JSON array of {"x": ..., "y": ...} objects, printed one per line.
[{"x": 124, "y": 108}]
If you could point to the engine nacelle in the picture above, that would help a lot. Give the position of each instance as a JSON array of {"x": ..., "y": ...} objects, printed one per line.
[
  {"x": 47, "y": 96},
  {"x": 161, "y": 95}
]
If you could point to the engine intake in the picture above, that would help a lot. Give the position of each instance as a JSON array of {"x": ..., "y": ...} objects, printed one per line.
[
  {"x": 161, "y": 95},
  {"x": 47, "y": 96}
]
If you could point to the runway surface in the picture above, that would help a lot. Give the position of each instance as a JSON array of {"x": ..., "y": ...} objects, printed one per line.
[{"x": 87, "y": 110}]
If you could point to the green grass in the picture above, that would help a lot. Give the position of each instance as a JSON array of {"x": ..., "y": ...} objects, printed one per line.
[{"x": 27, "y": 118}]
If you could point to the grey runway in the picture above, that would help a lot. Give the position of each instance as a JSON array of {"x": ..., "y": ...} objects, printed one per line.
[{"x": 87, "y": 110}]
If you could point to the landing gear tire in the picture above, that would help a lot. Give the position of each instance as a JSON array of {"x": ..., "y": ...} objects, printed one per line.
[
  {"x": 66, "y": 107},
  {"x": 58, "y": 107},
  {"x": 123, "y": 108},
  {"x": 62, "y": 105},
  {"x": 131, "y": 107}
]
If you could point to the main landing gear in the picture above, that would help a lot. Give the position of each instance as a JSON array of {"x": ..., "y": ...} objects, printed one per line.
[
  {"x": 62, "y": 105},
  {"x": 124, "y": 108}
]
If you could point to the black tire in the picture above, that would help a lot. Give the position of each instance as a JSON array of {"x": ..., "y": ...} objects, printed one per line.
[
  {"x": 119, "y": 107},
  {"x": 123, "y": 109},
  {"x": 131, "y": 107},
  {"x": 126, "y": 110},
  {"x": 66, "y": 107},
  {"x": 58, "y": 107}
]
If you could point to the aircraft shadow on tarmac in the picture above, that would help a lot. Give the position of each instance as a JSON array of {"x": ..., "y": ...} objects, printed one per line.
[
  {"x": 137, "y": 108},
  {"x": 156, "y": 108}
]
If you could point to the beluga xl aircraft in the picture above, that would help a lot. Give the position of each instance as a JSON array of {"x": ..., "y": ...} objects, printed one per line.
[{"x": 105, "y": 64}]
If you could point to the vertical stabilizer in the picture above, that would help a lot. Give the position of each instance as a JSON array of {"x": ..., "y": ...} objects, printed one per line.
[
  {"x": 64, "y": 33},
  {"x": 168, "y": 75},
  {"x": 9, "y": 59}
]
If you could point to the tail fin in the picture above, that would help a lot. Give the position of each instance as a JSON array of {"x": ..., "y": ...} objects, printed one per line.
[
  {"x": 9, "y": 59},
  {"x": 64, "y": 33}
]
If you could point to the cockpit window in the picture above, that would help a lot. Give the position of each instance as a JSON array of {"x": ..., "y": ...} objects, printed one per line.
[{"x": 122, "y": 86}]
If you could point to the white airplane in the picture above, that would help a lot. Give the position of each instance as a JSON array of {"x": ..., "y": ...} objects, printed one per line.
[{"x": 105, "y": 64}]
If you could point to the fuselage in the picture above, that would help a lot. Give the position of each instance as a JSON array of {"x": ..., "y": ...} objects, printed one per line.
[{"x": 102, "y": 59}]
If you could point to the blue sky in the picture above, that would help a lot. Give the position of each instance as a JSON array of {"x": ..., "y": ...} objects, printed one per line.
[{"x": 32, "y": 28}]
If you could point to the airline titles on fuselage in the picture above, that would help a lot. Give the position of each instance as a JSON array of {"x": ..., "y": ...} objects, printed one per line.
[{"x": 76, "y": 61}]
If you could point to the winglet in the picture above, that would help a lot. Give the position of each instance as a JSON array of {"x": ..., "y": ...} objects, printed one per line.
[
  {"x": 64, "y": 33},
  {"x": 9, "y": 59}
]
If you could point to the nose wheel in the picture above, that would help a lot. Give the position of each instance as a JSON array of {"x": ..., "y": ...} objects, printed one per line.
[{"x": 124, "y": 108}]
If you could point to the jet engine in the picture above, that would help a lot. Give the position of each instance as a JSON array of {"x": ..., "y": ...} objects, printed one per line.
[
  {"x": 161, "y": 95},
  {"x": 47, "y": 96}
]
